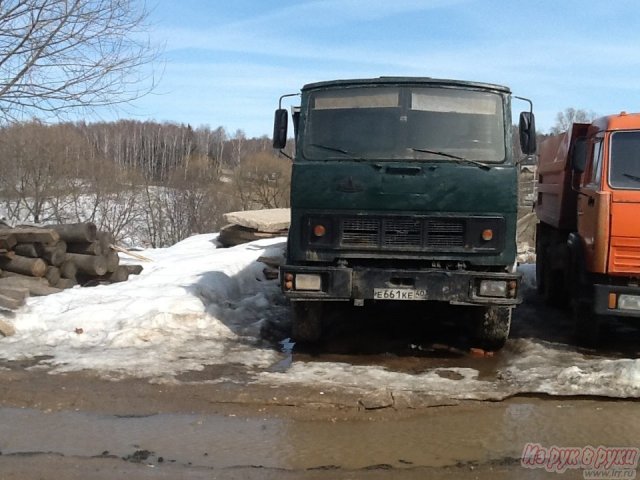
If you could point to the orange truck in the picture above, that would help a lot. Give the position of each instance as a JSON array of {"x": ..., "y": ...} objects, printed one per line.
[{"x": 588, "y": 235}]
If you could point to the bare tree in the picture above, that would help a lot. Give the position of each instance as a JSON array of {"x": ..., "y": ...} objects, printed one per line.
[
  {"x": 571, "y": 115},
  {"x": 263, "y": 181},
  {"x": 37, "y": 162},
  {"x": 57, "y": 55}
]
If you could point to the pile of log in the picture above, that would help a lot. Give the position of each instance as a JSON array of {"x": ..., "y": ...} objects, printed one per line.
[
  {"x": 249, "y": 225},
  {"x": 40, "y": 261}
]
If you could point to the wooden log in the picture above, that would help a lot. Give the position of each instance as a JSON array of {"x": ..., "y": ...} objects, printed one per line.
[
  {"x": 134, "y": 269},
  {"x": 89, "y": 264},
  {"x": 120, "y": 274},
  {"x": 35, "y": 267},
  {"x": 27, "y": 250},
  {"x": 232, "y": 235},
  {"x": 36, "y": 286},
  {"x": 86, "y": 248},
  {"x": 68, "y": 269},
  {"x": 42, "y": 291},
  {"x": 76, "y": 232},
  {"x": 10, "y": 303},
  {"x": 19, "y": 279},
  {"x": 6, "y": 328},
  {"x": 106, "y": 239},
  {"x": 52, "y": 275},
  {"x": 19, "y": 293},
  {"x": 113, "y": 260},
  {"x": 33, "y": 235},
  {"x": 7, "y": 240},
  {"x": 66, "y": 283},
  {"x": 54, "y": 254}
]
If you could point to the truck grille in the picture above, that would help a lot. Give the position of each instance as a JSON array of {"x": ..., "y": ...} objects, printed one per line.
[{"x": 401, "y": 233}]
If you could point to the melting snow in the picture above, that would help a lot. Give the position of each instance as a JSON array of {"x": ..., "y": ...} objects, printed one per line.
[
  {"x": 196, "y": 305},
  {"x": 193, "y": 304}
]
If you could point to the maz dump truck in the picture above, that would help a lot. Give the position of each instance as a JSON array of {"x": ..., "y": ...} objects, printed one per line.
[
  {"x": 403, "y": 189},
  {"x": 588, "y": 236}
]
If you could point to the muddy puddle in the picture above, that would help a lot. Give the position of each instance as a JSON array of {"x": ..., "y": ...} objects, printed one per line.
[
  {"x": 413, "y": 352},
  {"x": 476, "y": 434}
]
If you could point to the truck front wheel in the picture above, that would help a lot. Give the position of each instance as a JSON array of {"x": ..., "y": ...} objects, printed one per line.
[
  {"x": 306, "y": 321},
  {"x": 492, "y": 326},
  {"x": 588, "y": 325}
]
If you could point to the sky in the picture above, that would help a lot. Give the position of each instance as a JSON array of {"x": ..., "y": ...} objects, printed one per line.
[{"x": 226, "y": 63}]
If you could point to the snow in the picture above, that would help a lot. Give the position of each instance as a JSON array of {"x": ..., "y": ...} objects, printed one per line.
[
  {"x": 196, "y": 305},
  {"x": 193, "y": 304}
]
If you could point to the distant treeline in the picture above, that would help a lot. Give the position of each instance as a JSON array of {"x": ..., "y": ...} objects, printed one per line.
[{"x": 148, "y": 182}]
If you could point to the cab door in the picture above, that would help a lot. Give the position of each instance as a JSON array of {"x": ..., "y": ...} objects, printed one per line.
[{"x": 593, "y": 209}]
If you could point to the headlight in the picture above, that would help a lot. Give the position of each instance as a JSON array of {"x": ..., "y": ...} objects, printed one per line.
[
  {"x": 308, "y": 281},
  {"x": 493, "y": 288},
  {"x": 629, "y": 302}
]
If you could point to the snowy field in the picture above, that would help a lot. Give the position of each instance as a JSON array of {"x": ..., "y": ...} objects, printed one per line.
[{"x": 196, "y": 305}]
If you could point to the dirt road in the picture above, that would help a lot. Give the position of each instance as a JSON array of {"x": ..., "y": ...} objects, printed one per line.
[
  {"x": 77, "y": 426},
  {"x": 376, "y": 399}
]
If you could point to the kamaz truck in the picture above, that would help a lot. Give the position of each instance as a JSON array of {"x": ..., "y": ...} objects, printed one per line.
[
  {"x": 403, "y": 189},
  {"x": 588, "y": 236}
]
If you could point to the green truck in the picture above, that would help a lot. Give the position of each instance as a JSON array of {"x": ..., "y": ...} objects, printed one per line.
[{"x": 403, "y": 189}]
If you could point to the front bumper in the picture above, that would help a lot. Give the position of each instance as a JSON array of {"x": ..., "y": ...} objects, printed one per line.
[
  {"x": 608, "y": 300},
  {"x": 452, "y": 286}
]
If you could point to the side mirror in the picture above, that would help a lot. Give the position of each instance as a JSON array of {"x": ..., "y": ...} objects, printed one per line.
[
  {"x": 527, "y": 129},
  {"x": 280, "y": 123},
  {"x": 579, "y": 155}
]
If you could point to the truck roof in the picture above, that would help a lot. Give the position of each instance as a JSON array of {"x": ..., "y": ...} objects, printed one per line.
[
  {"x": 620, "y": 121},
  {"x": 406, "y": 81}
]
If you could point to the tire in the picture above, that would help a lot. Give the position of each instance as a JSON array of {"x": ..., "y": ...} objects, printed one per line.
[
  {"x": 550, "y": 281},
  {"x": 492, "y": 326},
  {"x": 306, "y": 321},
  {"x": 587, "y": 325},
  {"x": 553, "y": 290},
  {"x": 540, "y": 261}
]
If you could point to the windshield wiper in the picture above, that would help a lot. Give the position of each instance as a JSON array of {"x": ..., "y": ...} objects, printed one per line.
[
  {"x": 632, "y": 177},
  {"x": 484, "y": 166},
  {"x": 337, "y": 150}
]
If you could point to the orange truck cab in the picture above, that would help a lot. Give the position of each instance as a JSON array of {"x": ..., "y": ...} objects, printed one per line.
[{"x": 588, "y": 235}]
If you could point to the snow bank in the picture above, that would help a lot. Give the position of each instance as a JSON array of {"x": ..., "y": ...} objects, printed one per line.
[{"x": 193, "y": 304}]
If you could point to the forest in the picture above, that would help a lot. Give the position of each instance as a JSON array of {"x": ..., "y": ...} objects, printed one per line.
[{"x": 149, "y": 184}]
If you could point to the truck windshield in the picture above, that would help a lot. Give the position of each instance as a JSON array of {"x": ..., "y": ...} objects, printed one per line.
[
  {"x": 624, "y": 171},
  {"x": 404, "y": 123}
]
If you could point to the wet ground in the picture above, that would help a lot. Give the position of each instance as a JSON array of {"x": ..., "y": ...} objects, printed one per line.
[
  {"x": 475, "y": 440},
  {"x": 390, "y": 392}
]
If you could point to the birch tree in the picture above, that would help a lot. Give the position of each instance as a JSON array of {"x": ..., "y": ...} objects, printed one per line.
[{"x": 58, "y": 55}]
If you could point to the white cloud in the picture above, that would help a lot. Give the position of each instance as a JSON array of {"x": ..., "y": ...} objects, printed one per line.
[{"x": 232, "y": 73}]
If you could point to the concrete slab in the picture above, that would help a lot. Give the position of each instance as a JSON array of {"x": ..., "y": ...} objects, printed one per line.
[{"x": 269, "y": 220}]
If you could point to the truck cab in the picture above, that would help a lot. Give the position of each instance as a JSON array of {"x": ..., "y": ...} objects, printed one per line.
[
  {"x": 589, "y": 234},
  {"x": 403, "y": 189}
]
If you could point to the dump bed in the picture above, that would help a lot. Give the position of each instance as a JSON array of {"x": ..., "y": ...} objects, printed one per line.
[{"x": 557, "y": 201}]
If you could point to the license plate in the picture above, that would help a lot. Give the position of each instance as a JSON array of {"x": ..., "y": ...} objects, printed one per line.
[{"x": 399, "y": 294}]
